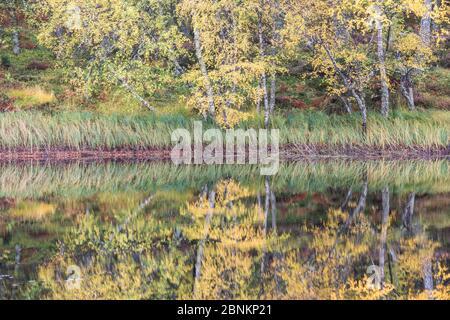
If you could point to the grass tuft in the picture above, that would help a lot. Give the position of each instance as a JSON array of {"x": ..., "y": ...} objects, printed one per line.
[{"x": 27, "y": 98}]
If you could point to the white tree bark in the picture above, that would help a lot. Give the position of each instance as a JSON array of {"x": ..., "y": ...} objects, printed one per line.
[
  {"x": 273, "y": 90},
  {"x": 15, "y": 35},
  {"x": 204, "y": 70},
  {"x": 427, "y": 270},
  {"x": 346, "y": 103},
  {"x": 16, "y": 42},
  {"x": 202, "y": 243},
  {"x": 407, "y": 90},
  {"x": 131, "y": 90},
  {"x": 357, "y": 95},
  {"x": 262, "y": 52},
  {"x": 381, "y": 63},
  {"x": 275, "y": 37},
  {"x": 425, "y": 23},
  {"x": 408, "y": 213},
  {"x": 383, "y": 237}
]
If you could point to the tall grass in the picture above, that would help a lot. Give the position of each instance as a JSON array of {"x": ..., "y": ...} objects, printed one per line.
[
  {"x": 87, "y": 130},
  {"x": 79, "y": 180},
  {"x": 428, "y": 128}
]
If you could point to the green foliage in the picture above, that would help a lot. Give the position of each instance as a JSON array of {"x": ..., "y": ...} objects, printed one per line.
[
  {"x": 110, "y": 43},
  {"x": 5, "y": 61},
  {"x": 115, "y": 56}
]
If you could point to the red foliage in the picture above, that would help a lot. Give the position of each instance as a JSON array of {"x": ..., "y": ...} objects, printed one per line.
[
  {"x": 291, "y": 102},
  {"x": 7, "y": 203},
  {"x": 6, "y": 104},
  {"x": 20, "y": 16},
  {"x": 299, "y": 88},
  {"x": 36, "y": 65},
  {"x": 320, "y": 102},
  {"x": 299, "y": 104},
  {"x": 320, "y": 199},
  {"x": 283, "y": 88},
  {"x": 103, "y": 96},
  {"x": 5, "y": 19},
  {"x": 27, "y": 44},
  {"x": 283, "y": 100},
  {"x": 296, "y": 198}
]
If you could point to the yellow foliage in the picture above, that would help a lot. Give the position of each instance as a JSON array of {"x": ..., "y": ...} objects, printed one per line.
[
  {"x": 31, "y": 97},
  {"x": 32, "y": 211},
  {"x": 234, "y": 255}
]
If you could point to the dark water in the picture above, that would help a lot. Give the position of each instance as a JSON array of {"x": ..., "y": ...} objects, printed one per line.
[{"x": 335, "y": 230}]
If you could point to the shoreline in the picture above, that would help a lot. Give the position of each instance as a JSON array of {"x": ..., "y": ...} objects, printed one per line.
[{"x": 288, "y": 153}]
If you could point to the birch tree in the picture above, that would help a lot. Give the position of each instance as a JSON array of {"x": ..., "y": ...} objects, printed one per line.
[
  {"x": 238, "y": 48},
  {"x": 270, "y": 25},
  {"x": 14, "y": 8},
  {"x": 414, "y": 51},
  {"x": 380, "y": 21},
  {"x": 336, "y": 34},
  {"x": 221, "y": 36},
  {"x": 425, "y": 22},
  {"x": 102, "y": 43}
]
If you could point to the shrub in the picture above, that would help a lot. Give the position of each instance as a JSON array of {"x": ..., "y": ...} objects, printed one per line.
[
  {"x": 5, "y": 61},
  {"x": 6, "y": 104},
  {"x": 37, "y": 65}
]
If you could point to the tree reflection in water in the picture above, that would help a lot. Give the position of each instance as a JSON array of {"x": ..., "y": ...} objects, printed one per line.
[{"x": 231, "y": 240}]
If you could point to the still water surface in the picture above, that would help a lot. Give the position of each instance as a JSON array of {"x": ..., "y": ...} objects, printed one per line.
[{"x": 330, "y": 230}]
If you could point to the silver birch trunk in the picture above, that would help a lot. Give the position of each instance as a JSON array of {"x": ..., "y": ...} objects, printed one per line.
[
  {"x": 275, "y": 39},
  {"x": 273, "y": 91},
  {"x": 357, "y": 95},
  {"x": 204, "y": 71},
  {"x": 347, "y": 104},
  {"x": 201, "y": 245},
  {"x": 382, "y": 65},
  {"x": 425, "y": 23},
  {"x": 258, "y": 101},
  {"x": 273, "y": 203},
  {"x": 427, "y": 271},
  {"x": 15, "y": 35},
  {"x": 362, "y": 107},
  {"x": 16, "y": 42},
  {"x": 407, "y": 90},
  {"x": 131, "y": 90},
  {"x": 262, "y": 52},
  {"x": 266, "y": 101},
  {"x": 408, "y": 213},
  {"x": 383, "y": 237},
  {"x": 265, "y": 221}
]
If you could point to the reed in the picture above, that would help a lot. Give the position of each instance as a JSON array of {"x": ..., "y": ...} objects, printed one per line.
[{"x": 82, "y": 130}]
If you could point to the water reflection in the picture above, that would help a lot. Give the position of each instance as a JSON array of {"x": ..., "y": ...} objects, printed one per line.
[{"x": 381, "y": 234}]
